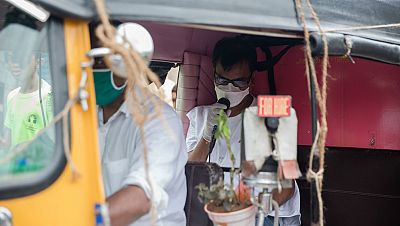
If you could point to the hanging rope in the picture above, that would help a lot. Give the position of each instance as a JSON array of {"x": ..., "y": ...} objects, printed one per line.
[
  {"x": 61, "y": 115},
  {"x": 321, "y": 96},
  {"x": 137, "y": 94},
  {"x": 367, "y": 27}
]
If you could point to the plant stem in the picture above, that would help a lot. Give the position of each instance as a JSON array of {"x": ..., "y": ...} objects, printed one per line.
[{"x": 232, "y": 172}]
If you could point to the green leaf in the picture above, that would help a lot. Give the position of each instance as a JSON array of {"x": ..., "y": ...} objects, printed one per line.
[{"x": 226, "y": 132}]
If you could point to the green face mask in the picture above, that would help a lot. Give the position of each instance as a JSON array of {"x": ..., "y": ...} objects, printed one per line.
[{"x": 106, "y": 90}]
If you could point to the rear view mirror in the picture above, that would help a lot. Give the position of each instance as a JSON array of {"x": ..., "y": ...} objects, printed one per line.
[
  {"x": 32, "y": 9},
  {"x": 129, "y": 34}
]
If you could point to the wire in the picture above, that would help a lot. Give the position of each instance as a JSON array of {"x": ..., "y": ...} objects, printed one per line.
[{"x": 40, "y": 90}]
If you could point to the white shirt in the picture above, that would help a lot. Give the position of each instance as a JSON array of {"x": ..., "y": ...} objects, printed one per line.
[
  {"x": 198, "y": 117},
  {"x": 122, "y": 161}
]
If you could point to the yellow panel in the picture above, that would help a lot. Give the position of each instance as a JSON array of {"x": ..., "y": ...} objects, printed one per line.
[{"x": 68, "y": 202}]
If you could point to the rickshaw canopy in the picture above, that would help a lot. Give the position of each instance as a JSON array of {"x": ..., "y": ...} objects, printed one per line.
[{"x": 252, "y": 14}]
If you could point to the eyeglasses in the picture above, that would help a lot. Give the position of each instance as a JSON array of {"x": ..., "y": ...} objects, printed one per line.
[{"x": 241, "y": 82}]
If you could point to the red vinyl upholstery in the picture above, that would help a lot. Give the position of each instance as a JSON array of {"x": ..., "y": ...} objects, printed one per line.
[{"x": 195, "y": 85}]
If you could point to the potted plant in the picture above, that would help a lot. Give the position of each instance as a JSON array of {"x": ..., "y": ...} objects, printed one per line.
[{"x": 223, "y": 204}]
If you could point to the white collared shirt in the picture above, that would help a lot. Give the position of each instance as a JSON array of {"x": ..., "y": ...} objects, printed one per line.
[
  {"x": 121, "y": 152},
  {"x": 198, "y": 117}
]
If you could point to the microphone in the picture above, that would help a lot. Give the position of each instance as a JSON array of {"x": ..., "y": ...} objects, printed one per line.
[{"x": 227, "y": 103}]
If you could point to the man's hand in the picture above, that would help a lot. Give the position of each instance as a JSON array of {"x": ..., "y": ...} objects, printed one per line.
[
  {"x": 211, "y": 120},
  {"x": 127, "y": 205}
]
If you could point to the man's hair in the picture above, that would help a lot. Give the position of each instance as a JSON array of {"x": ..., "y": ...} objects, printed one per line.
[
  {"x": 174, "y": 89},
  {"x": 233, "y": 50}
]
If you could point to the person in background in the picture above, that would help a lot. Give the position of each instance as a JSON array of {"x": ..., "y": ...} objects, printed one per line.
[
  {"x": 29, "y": 107},
  {"x": 174, "y": 95},
  {"x": 234, "y": 62},
  {"x": 121, "y": 149}
]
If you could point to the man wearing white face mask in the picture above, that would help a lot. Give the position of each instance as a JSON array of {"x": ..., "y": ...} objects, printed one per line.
[{"x": 234, "y": 62}]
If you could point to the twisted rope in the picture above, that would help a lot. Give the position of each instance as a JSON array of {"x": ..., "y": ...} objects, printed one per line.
[{"x": 321, "y": 96}]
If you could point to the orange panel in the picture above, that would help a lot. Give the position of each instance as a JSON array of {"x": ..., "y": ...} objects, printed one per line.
[{"x": 70, "y": 202}]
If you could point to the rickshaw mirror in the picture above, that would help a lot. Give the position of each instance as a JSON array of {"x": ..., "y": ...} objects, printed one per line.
[
  {"x": 98, "y": 52},
  {"x": 129, "y": 35},
  {"x": 32, "y": 9}
]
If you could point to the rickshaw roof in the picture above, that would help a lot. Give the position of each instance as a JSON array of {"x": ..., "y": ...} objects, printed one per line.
[{"x": 250, "y": 14}]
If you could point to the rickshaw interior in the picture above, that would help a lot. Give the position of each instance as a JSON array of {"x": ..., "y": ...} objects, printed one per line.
[{"x": 362, "y": 97}]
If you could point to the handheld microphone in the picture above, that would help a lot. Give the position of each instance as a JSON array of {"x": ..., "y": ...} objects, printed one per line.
[{"x": 227, "y": 103}]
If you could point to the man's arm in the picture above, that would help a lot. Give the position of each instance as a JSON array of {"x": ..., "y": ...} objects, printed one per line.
[
  {"x": 284, "y": 195},
  {"x": 127, "y": 205},
  {"x": 200, "y": 152}
]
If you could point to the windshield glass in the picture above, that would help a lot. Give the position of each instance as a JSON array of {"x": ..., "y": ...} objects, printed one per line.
[{"x": 26, "y": 97}]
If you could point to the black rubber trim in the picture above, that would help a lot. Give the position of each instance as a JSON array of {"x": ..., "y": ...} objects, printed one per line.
[
  {"x": 360, "y": 47},
  {"x": 50, "y": 174}
]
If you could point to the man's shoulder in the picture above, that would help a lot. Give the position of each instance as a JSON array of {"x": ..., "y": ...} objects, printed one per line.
[
  {"x": 13, "y": 93},
  {"x": 163, "y": 112},
  {"x": 169, "y": 113}
]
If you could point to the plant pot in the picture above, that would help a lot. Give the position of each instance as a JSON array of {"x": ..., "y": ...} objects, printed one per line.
[{"x": 243, "y": 217}]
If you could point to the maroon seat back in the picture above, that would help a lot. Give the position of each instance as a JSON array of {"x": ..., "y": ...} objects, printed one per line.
[{"x": 195, "y": 85}]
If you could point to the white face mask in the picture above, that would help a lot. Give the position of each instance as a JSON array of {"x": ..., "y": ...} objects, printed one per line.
[{"x": 232, "y": 93}]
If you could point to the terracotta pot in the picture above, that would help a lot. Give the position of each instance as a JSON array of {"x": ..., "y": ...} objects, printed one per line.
[{"x": 243, "y": 217}]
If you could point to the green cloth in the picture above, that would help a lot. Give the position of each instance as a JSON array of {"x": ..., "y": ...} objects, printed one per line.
[
  {"x": 24, "y": 115},
  {"x": 24, "y": 119}
]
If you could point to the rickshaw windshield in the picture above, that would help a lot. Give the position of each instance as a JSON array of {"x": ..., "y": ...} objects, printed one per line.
[{"x": 26, "y": 96}]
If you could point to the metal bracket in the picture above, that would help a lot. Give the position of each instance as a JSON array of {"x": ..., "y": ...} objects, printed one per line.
[
  {"x": 5, "y": 217},
  {"x": 102, "y": 215},
  {"x": 83, "y": 93}
]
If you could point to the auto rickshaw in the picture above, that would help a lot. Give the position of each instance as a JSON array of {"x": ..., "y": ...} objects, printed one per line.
[{"x": 361, "y": 183}]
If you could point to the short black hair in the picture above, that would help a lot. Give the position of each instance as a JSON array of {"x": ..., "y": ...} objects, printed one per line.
[{"x": 233, "y": 50}]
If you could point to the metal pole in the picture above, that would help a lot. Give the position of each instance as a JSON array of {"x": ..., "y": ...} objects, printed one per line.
[{"x": 314, "y": 213}]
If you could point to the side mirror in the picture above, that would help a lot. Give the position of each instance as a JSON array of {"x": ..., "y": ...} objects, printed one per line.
[
  {"x": 32, "y": 9},
  {"x": 129, "y": 34}
]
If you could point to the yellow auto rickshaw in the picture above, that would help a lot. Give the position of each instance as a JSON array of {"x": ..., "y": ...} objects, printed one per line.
[{"x": 58, "y": 181}]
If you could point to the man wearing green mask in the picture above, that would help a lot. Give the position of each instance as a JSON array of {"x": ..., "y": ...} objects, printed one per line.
[
  {"x": 127, "y": 190},
  {"x": 107, "y": 90}
]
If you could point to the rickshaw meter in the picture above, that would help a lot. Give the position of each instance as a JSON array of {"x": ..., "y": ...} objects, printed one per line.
[{"x": 269, "y": 149}]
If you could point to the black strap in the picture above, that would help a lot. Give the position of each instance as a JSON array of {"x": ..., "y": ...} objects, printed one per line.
[
  {"x": 270, "y": 72},
  {"x": 212, "y": 143},
  {"x": 269, "y": 66},
  {"x": 242, "y": 141},
  {"x": 228, "y": 169}
]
